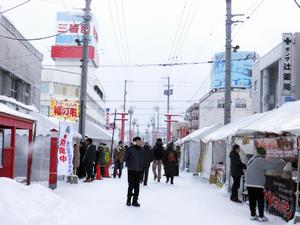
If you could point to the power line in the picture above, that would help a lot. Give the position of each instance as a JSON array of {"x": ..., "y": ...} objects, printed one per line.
[
  {"x": 7, "y": 10},
  {"x": 36, "y": 39}
]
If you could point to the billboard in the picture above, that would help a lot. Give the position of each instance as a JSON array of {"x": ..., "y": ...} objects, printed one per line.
[
  {"x": 65, "y": 110},
  {"x": 72, "y": 27},
  {"x": 241, "y": 75}
]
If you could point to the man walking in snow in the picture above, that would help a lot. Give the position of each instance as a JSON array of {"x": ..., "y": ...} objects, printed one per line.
[
  {"x": 119, "y": 152},
  {"x": 134, "y": 159},
  {"x": 236, "y": 169},
  {"x": 158, "y": 151}
]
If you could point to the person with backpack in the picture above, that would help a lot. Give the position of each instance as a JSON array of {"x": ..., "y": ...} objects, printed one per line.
[
  {"x": 170, "y": 162},
  {"x": 158, "y": 154},
  {"x": 147, "y": 161},
  {"x": 255, "y": 181},
  {"x": 118, "y": 157}
]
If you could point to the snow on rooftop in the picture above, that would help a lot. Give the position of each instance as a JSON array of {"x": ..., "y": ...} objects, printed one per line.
[{"x": 7, "y": 110}]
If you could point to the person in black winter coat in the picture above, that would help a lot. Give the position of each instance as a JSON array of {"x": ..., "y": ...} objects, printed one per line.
[
  {"x": 236, "y": 170},
  {"x": 170, "y": 163},
  {"x": 81, "y": 172},
  {"x": 158, "y": 154},
  {"x": 89, "y": 160},
  {"x": 134, "y": 159},
  {"x": 147, "y": 161}
]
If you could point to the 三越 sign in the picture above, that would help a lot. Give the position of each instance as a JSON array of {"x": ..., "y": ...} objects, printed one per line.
[
  {"x": 71, "y": 26},
  {"x": 65, "y": 149},
  {"x": 66, "y": 110}
]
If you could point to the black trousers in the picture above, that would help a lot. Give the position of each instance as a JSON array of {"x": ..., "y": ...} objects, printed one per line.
[
  {"x": 235, "y": 187},
  {"x": 118, "y": 166},
  {"x": 89, "y": 170},
  {"x": 134, "y": 184},
  {"x": 256, "y": 197},
  {"x": 145, "y": 174}
]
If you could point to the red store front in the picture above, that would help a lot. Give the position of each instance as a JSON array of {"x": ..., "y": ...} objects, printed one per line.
[{"x": 10, "y": 122}]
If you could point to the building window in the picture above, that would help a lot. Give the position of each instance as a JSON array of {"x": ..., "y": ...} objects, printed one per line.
[
  {"x": 45, "y": 87},
  {"x": 241, "y": 103},
  {"x": 44, "y": 110},
  {"x": 13, "y": 88},
  {"x": 255, "y": 86},
  {"x": 77, "y": 92},
  {"x": 98, "y": 91},
  {"x": 221, "y": 103}
]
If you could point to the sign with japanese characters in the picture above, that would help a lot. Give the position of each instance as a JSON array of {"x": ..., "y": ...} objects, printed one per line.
[
  {"x": 107, "y": 126},
  {"x": 65, "y": 110},
  {"x": 280, "y": 147},
  {"x": 65, "y": 149},
  {"x": 71, "y": 26},
  {"x": 241, "y": 75},
  {"x": 287, "y": 63},
  {"x": 280, "y": 196}
]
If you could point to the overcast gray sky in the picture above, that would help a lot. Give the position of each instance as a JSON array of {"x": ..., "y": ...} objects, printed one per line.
[{"x": 143, "y": 31}]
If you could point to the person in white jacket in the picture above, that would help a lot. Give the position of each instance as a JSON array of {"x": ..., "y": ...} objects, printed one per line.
[{"x": 255, "y": 181}]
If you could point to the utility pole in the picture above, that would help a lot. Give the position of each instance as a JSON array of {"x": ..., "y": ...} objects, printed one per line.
[
  {"x": 84, "y": 71},
  {"x": 130, "y": 112},
  {"x": 156, "y": 108},
  {"x": 125, "y": 93},
  {"x": 168, "y": 92},
  {"x": 227, "y": 105}
]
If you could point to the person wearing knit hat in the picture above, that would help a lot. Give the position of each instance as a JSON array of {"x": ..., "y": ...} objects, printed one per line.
[
  {"x": 134, "y": 158},
  {"x": 255, "y": 181}
]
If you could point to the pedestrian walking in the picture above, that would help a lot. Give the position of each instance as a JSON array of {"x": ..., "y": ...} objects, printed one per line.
[
  {"x": 147, "y": 161},
  {"x": 119, "y": 153},
  {"x": 236, "y": 170},
  {"x": 134, "y": 159},
  {"x": 76, "y": 158},
  {"x": 158, "y": 153},
  {"x": 81, "y": 172},
  {"x": 89, "y": 160},
  {"x": 255, "y": 181},
  {"x": 178, "y": 154},
  {"x": 170, "y": 163},
  {"x": 107, "y": 161},
  {"x": 102, "y": 159}
]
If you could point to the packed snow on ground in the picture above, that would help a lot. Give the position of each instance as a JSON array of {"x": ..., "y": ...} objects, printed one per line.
[
  {"x": 190, "y": 201},
  {"x": 30, "y": 205}
]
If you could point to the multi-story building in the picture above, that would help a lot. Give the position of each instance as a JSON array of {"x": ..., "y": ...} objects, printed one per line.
[
  {"x": 211, "y": 106},
  {"x": 63, "y": 79},
  {"x": 192, "y": 117},
  {"x": 276, "y": 77},
  {"x": 20, "y": 66},
  {"x": 211, "y": 110}
]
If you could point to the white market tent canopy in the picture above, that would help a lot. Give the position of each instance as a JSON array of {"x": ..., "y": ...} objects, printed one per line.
[
  {"x": 46, "y": 124},
  {"x": 95, "y": 132},
  {"x": 198, "y": 134},
  {"x": 284, "y": 119},
  {"x": 232, "y": 128}
]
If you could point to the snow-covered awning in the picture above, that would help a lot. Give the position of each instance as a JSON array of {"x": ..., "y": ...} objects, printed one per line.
[
  {"x": 95, "y": 132},
  {"x": 46, "y": 124},
  {"x": 198, "y": 134},
  {"x": 284, "y": 119},
  {"x": 9, "y": 111},
  {"x": 232, "y": 128}
]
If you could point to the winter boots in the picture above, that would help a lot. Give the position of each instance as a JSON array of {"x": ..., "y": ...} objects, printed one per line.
[
  {"x": 135, "y": 202},
  {"x": 128, "y": 203}
]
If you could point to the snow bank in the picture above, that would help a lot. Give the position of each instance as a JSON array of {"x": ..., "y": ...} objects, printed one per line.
[{"x": 28, "y": 205}]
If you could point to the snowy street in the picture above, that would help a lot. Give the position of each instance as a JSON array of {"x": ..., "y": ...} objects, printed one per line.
[{"x": 190, "y": 201}]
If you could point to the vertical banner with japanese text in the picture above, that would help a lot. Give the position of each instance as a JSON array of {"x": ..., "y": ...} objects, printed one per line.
[
  {"x": 107, "y": 126},
  {"x": 65, "y": 149},
  {"x": 287, "y": 64}
]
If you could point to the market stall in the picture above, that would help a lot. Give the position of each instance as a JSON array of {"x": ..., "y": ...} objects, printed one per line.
[
  {"x": 278, "y": 133},
  {"x": 191, "y": 148}
]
